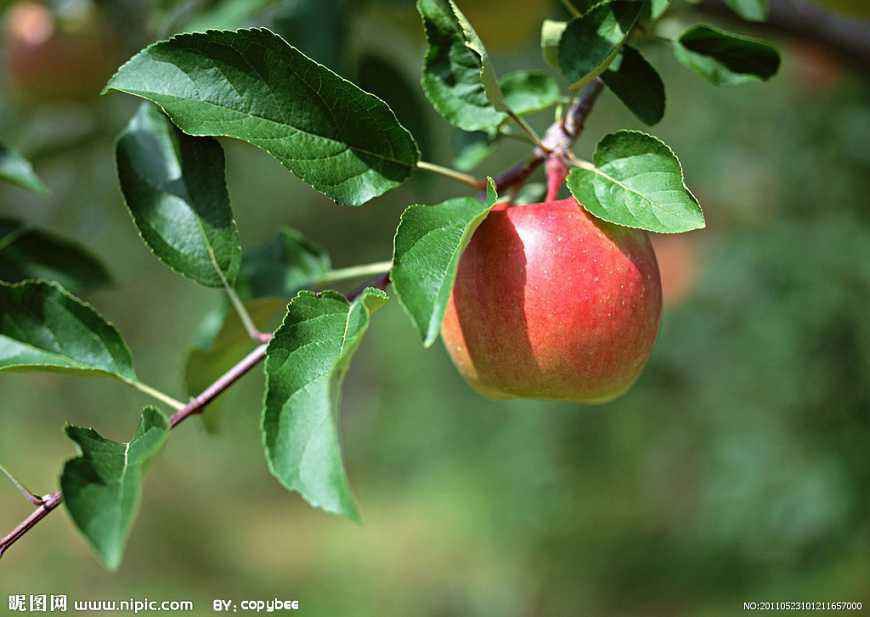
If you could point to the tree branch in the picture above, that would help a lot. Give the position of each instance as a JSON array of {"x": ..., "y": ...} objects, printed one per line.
[
  {"x": 195, "y": 406},
  {"x": 557, "y": 140}
]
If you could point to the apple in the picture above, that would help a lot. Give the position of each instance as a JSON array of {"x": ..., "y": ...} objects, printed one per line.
[
  {"x": 552, "y": 303},
  {"x": 54, "y": 57}
]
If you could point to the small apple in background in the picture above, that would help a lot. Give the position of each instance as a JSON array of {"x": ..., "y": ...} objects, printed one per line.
[
  {"x": 57, "y": 57},
  {"x": 678, "y": 261},
  {"x": 552, "y": 303},
  {"x": 814, "y": 66}
]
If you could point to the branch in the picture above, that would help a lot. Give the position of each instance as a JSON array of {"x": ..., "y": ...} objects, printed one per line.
[
  {"x": 849, "y": 38},
  {"x": 557, "y": 143},
  {"x": 195, "y": 406},
  {"x": 558, "y": 139}
]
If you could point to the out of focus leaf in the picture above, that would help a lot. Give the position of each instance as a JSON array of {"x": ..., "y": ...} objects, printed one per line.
[
  {"x": 282, "y": 267},
  {"x": 752, "y": 10},
  {"x": 17, "y": 170},
  {"x": 385, "y": 79},
  {"x": 327, "y": 43},
  {"x": 429, "y": 242},
  {"x": 175, "y": 187},
  {"x": 724, "y": 58},
  {"x": 28, "y": 253},
  {"x": 526, "y": 92},
  {"x": 253, "y": 86},
  {"x": 637, "y": 182},
  {"x": 637, "y": 84},
  {"x": 102, "y": 488},
  {"x": 43, "y": 327},
  {"x": 458, "y": 78},
  {"x": 590, "y": 42},
  {"x": 212, "y": 358},
  {"x": 227, "y": 15},
  {"x": 551, "y": 33},
  {"x": 305, "y": 365}
]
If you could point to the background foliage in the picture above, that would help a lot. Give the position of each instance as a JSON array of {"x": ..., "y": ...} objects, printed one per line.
[{"x": 735, "y": 470}]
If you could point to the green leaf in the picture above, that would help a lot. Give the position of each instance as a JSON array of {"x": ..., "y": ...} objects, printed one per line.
[
  {"x": 282, "y": 267},
  {"x": 526, "y": 92},
  {"x": 458, "y": 78},
  {"x": 175, "y": 188},
  {"x": 223, "y": 347},
  {"x": 473, "y": 149},
  {"x": 726, "y": 59},
  {"x": 752, "y": 10},
  {"x": 253, "y": 86},
  {"x": 657, "y": 8},
  {"x": 428, "y": 244},
  {"x": 305, "y": 365},
  {"x": 17, "y": 170},
  {"x": 590, "y": 42},
  {"x": 102, "y": 488},
  {"x": 44, "y": 327},
  {"x": 637, "y": 182},
  {"x": 551, "y": 34},
  {"x": 638, "y": 85},
  {"x": 226, "y": 15},
  {"x": 28, "y": 253}
]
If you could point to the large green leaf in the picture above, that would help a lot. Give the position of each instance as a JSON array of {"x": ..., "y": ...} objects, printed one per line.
[
  {"x": 282, "y": 267},
  {"x": 458, "y": 78},
  {"x": 637, "y": 182},
  {"x": 44, "y": 327},
  {"x": 102, "y": 488},
  {"x": 175, "y": 187},
  {"x": 526, "y": 92},
  {"x": 28, "y": 253},
  {"x": 253, "y": 86},
  {"x": 724, "y": 58},
  {"x": 638, "y": 85},
  {"x": 305, "y": 366},
  {"x": 429, "y": 242},
  {"x": 590, "y": 42},
  {"x": 17, "y": 170},
  {"x": 753, "y": 10}
]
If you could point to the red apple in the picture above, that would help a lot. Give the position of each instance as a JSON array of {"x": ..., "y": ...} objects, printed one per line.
[{"x": 552, "y": 303}]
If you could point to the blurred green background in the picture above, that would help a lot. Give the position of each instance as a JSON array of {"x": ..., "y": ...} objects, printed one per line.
[{"x": 737, "y": 469}]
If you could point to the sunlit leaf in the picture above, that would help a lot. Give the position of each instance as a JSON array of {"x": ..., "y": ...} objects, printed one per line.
[
  {"x": 458, "y": 78},
  {"x": 253, "y": 86},
  {"x": 305, "y": 366},
  {"x": 590, "y": 42},
  {"x": 637, "y": 182},
  {"x": 102, "y": 488},
  {"x": 175, "y": 187},
  {"x": 429, "y": 242}
]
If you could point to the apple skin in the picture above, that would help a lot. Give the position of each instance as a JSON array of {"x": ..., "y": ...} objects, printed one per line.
[{"x": 552, "y": 303}]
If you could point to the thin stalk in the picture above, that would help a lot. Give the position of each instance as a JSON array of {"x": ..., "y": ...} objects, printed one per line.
[
  {"x": 571, "y": 8},
  {"x": 342, "y": 274},
  {"x": 528, "y": 130},
  {"x": 238, "y": 305},
  {"x": 33, "y": 498},
  {"x": 466, "y": 179},
  {"x": 156, "y": 394}
]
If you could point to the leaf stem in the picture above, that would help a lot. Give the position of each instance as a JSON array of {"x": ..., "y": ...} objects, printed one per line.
[
  {"x": 378, "y": 267},
  {"x": 242, "y": 312},
  {"x": 33, "y": 498},
  {"x": 466, "y": 179},
  {"x": 528, "y": 130},
  {"x": 156, "y": 394},
  {"x": 571, "y": 8}
]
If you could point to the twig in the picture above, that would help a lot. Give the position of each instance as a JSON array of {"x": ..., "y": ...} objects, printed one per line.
[
  {"x": 195, "y": 406},
  {"x": 30, "y": 496}
]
